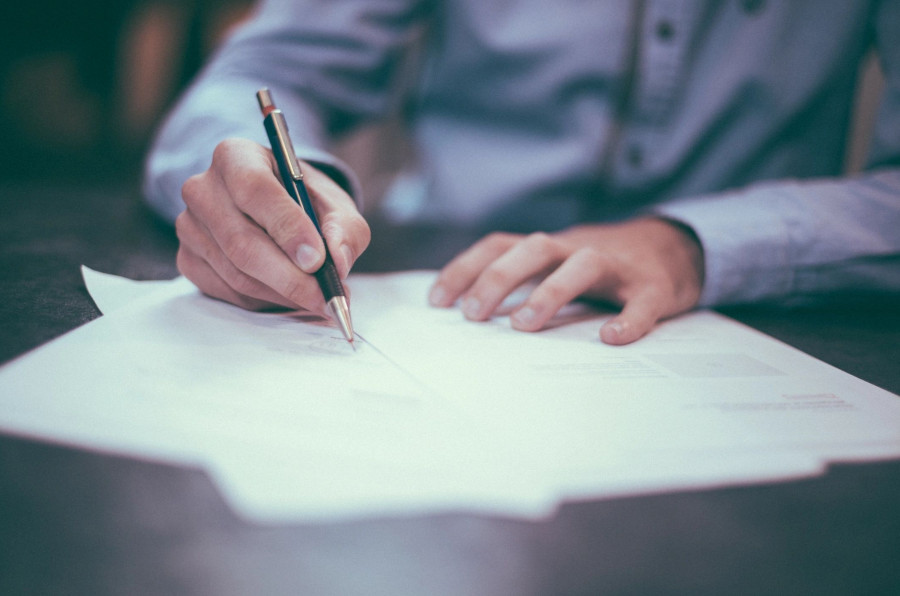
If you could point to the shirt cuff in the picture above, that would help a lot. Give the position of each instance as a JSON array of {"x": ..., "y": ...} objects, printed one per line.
[
  {"x": 745, "y": 242},
  {"x": 185, "y": 144}
]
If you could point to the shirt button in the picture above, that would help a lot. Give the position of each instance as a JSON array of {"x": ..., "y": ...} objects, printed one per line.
[
  {"x": 752, "y": 7},
  {"x": 665, "y": 31}
]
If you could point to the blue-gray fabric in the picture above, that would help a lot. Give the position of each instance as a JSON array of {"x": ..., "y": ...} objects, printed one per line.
[{"x": 729, "y": 116}]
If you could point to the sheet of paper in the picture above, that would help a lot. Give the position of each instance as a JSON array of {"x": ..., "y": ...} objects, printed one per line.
[
  {"x": 703, "y": 370},
  {"x": 702, "y": 398},
  {"x": 286, "y": 416},
  {"x": 432, "y": 412}
]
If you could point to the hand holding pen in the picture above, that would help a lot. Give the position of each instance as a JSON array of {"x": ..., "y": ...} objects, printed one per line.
[
  {"x": 292, "y": 178},
  {"x": 243, "y": 239}
]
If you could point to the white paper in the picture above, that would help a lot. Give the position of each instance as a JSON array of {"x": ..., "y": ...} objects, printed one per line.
[{"x": 432, "y": 412}]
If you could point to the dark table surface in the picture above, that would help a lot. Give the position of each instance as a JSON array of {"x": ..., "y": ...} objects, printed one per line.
[{"x": 78, "y": 522}]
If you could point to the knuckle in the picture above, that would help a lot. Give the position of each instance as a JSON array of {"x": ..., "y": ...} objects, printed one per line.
[
  {"x": 597, "y": 259},
  {"x": 225, "y": 151},
  {"x": 246, "y": 187},
  {"x": 242, "y": 283},
  {"x": 182, "y": 225},
  {"x": 296, "y": 290},
  {"x": 495, "y": 275},
  {"x": 331, "y": 228},
  {"x": 658, "y": 293},
  {"x": 354, "y": 230},
  {"x": 449, "y": 276},
  {"x": 285, "y": 226},
  {"x": 497, "y": 240},
  {"x": 188, "y": 231},
  {"x": 540, "y": 242},
  {"x": 592, "y": 259},
  {"x": 240, "y": 249},
  {"x": 192, "y": 189},
  {"x": 361, "y": 233},
  {"x": 552, "y": 292},
  {"x": 184, "y": 263}
]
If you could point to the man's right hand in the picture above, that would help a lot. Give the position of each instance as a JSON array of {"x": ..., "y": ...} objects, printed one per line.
[{"x": 244, "y": 240}]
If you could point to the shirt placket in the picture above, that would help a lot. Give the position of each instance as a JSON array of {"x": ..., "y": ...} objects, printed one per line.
[{"x": 663, "y": 36}]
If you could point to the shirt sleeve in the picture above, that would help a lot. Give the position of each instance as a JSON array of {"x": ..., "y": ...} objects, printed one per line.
[
  {"x": 792, "y": 241},
  {"x": 329, "y": 66}
]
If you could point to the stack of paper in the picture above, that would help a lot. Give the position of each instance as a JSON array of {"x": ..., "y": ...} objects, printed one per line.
[{"x": 432, "y": 412}]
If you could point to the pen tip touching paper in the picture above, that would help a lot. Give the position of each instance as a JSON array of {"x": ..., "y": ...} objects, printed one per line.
[{"x": 340, "y": 311}]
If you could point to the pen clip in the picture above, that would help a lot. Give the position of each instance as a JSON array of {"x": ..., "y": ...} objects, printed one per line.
[{"x": 280, "y": 127}]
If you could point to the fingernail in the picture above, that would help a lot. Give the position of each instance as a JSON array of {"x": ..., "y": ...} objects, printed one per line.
[
  {"x": 471, "y": 307},
  {"x": 524, "y": 316},
  {"x": 613, "y": 329},
  {"x": 307, "y": 258},
  {"x": 436, "y": 296}
]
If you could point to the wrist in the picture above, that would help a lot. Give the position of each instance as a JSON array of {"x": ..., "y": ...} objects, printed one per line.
[{"x": 684, "y": 245}]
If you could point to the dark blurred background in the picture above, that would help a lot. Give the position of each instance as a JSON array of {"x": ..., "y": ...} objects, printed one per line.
[{"x": 83, "y": 84}]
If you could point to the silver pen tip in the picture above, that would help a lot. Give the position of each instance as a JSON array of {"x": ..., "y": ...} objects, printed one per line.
[{"x": 341, "y": 313}]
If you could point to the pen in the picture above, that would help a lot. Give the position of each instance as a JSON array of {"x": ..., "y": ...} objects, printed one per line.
[{"x": 292, "y": 177}]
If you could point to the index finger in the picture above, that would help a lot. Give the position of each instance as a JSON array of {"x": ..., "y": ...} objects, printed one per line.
[
  {"x": 251, "y": 179},
  {"x": 346, "y": 232},
  {"x": 458, "y": 275}
]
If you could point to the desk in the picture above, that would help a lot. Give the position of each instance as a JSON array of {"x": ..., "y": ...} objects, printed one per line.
[{"x": 75, "y": 522}]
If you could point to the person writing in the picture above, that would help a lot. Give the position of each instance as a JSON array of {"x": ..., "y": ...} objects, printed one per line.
[{"x": 660, "y": 155}]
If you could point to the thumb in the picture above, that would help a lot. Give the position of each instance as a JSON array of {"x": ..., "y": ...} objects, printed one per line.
[{"x": 639, "y": 314}]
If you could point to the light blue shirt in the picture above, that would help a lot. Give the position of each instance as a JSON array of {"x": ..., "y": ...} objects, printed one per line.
[{"x": 730, "y": 116}]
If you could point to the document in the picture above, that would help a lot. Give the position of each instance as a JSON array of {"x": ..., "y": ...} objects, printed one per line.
[{"x": 431, "y": 412}]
